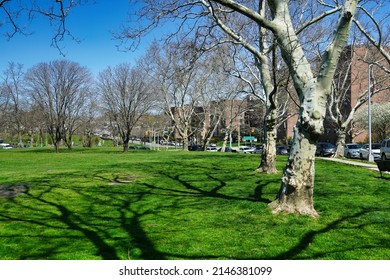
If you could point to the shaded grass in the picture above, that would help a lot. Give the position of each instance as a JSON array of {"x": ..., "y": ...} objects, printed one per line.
[{"x": 103, "y": 204}]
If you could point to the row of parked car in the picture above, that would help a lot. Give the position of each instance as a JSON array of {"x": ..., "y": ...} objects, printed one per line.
[
  {"x": 352, "y": 150},
  {"x": 255, "y": 149},
  {"x": 5, "y": 146},
  {"x": 243, "y": 150},
  {"x": 258, "y": 149}
]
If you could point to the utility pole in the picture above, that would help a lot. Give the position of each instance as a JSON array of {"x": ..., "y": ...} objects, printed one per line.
[{"x": 370, "y": 157}]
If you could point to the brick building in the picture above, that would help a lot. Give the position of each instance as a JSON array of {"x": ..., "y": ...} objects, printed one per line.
[{"x": 353, "y": 71}]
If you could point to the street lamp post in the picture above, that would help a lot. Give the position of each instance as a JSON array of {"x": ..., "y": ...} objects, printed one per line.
[
  {"x": 238, "y": 133},
  {"x": 370, "y": 157}
]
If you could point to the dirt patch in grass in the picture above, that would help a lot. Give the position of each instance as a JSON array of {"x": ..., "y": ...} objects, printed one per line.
[
  {"x": 122, "y": 179},
  {"x": 12, "y": 191}
]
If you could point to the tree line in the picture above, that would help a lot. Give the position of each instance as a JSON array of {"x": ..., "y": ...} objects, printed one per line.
[
  {"x": 61, "y": 98},
  {"x": 192, "y": 92}
]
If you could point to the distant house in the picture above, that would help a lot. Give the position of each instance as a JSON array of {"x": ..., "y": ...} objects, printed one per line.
[{"x": 244, "y": 116}]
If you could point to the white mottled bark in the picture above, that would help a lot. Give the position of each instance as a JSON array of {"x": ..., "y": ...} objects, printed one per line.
[
  {"x": 296, "y": 192},
  {"x": 268, "y": 157}
]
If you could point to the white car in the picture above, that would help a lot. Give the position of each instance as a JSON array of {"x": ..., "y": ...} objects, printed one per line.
[
  {"x": 352, "y": 150},
  {"x": 385, "y": 149},
  {"x": 212, "y": 149},
  {"x": 246, "y": 150},
  {"x": 375, "y": 151},
  {"x": 5, "y": 146}
]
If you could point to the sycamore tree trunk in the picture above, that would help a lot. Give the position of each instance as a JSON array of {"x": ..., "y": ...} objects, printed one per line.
[
  {"x": 268, "y": 157},
  {"x": 57, "y": 147},
  {"x": 296, "y": 191},
  {"x": 227, "y": 137},
  {"x": 185, "y": 143},
  {"x": 340, "y": 143},
  {"x": 125, "y": 146},
  {"x": 209, "y": 134},
  {"x": 69, "y": 142},
  {"x": 297, "y": 187},
  {"x": 125, "y": 140},
  {"x": 56, "y": 137},
  {"x": 183, "y": 133},
  {"x": 20, "y": 137}
]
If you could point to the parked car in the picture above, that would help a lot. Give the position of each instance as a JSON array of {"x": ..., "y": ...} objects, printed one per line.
[
  {"x": 5, "y": 146},
  {"x": 195, "y": 148},
  {"x": 212, "y": 149},
  {"x": 385, "y": 149},
  {"x": 352, "y": 150},
  {"x": 259, "y": 149},
  {"x": 246, "y": 150},
  {"x": 325, "y": 149},
  {"x": 281, "y": 150},
  {"x": 228, "y": 150},
  {"x": 375, "y": 151}
]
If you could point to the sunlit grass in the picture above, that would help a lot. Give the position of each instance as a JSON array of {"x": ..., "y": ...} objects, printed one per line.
[{"x": 102, "y": 204}]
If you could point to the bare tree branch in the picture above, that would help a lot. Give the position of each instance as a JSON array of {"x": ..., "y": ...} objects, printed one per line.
[
  {"x": 19, "y": 13},
  {"x": 383, "y": 50}
]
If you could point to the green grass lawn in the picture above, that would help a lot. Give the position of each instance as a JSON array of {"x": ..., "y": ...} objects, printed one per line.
[{"x": 102, "y": 204}]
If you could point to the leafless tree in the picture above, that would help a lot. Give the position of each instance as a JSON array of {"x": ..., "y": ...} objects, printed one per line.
[
  {"x": 4, "y": 101},
  {"x": 342, "y": 105},
  {"x": 125, "y": 96},
  {"x": 16, "y": 16},
  {"x": 208, "y": 101},
  {"x": 89, "y": 122},
  {"x": 34, "y": 125},
  {"x": 220, "y": 93},
  {"x": 234, "y": 109},
  {"x": 13, "y": 82},
  {"x": 180, "y": 81},
  {"x": 269, "y": 84},
  {"x": 59, "y": 88}
]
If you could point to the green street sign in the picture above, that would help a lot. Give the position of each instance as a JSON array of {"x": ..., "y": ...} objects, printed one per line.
[{"x": 248, "y": 138}]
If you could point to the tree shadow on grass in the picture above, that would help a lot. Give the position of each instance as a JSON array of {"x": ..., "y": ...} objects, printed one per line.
[
  {"x": 128, "y": 208},
  {"x": 308, "y": 238},
  {"x": 259, "y": 191},
  {"x": 49, "y": 215},
  {"x": 49, "y": 218},
  {"x": 192, "y": 190},
  {"x": 384, "y": 178},
  {"x": 141, "y": 246},
  {"x": 123, "y": 203},
  {"x": 75, "y": 222}
]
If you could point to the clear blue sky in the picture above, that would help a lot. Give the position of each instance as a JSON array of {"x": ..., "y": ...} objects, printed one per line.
[{"x": 91, "y": 23}]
